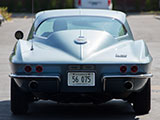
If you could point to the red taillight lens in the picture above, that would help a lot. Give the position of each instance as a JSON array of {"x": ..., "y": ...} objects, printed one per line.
[
  {"x": 39, "y": 69},
  {"x": 134, "y": 69},
  {"x": 79, "y": 2},
  {"x": 123, "y": 69},
  {"x": 109, "y": 2},
  {"x": 27, "y": 68}
]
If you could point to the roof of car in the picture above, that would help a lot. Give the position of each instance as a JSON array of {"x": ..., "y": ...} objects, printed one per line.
[{"x": 41, "y": 16}]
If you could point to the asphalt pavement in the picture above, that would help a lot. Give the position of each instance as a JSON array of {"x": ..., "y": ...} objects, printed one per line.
[{"x": 146, "y": 27}]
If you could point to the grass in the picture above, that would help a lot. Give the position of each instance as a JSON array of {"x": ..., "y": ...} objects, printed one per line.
[{"x": 154, "y": 12}]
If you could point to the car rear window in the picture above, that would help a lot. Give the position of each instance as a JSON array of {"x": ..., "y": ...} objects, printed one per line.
[{"x": 110, "y": 25}]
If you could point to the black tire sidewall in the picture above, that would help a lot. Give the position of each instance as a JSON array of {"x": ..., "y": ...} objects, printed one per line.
[
  {"x": 142, "y": 100},
  {"x": 19, "y": 100}
]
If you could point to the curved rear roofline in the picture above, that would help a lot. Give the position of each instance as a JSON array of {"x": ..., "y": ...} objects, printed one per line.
[{"x": 41, "y": 16}]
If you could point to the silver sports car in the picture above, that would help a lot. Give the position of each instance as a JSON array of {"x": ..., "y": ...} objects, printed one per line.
[{"x": 80, "y": 56}]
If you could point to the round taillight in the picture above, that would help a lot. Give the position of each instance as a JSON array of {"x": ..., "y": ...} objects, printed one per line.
[
  {"x": 27, "y": 68},
  {"x": 134, "y": 69},
  {"x": 79, "y": 2},
  {"x": 123, "y": 69},
  {"x": 109, "y": 2},
  {"x": 39, "y": 69}
]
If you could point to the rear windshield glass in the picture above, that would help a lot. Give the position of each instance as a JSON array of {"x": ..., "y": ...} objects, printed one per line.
[{"x": 112, "y": 26}]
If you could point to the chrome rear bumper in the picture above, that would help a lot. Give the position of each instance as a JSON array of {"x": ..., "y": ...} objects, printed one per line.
[
  {"x": 128, "y": 76},
  {"x": 143, "y": 76},
  {"x": 35, "y": 76}
]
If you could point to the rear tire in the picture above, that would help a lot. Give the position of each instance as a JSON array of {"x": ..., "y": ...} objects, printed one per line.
[
  {"x": 19, "y": 99},
  {"x": 142, "y": 100}
]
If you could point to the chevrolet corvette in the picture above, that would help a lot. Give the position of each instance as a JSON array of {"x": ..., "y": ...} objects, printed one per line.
[{"x": 80, "y": 56}]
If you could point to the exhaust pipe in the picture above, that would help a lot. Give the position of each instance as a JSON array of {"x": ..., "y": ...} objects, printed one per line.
[
  {"x": 33, "y": 84},
  {"x": 128, "y": 85}
]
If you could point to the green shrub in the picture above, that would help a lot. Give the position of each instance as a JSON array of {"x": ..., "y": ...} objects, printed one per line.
[
  {"x": 148, "y": 5},
  {"x": 4, "y": 13},
  {"x": 138, "y": 5},
  {"x": 152, "y": 5}
]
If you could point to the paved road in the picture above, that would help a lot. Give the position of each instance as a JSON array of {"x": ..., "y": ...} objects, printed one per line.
[{"x": 145, "y": 27}]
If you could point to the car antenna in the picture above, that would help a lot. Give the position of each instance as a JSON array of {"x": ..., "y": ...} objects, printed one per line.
[{"x": 32, "y": 22}]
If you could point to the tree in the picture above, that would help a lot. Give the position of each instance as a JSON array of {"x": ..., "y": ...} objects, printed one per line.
[{"x": 61, "y": 3}]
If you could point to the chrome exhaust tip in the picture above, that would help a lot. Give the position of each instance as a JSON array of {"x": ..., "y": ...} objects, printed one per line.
[
  {"x": 128, "y": 85},
  {"x": 33, "y": 84}
]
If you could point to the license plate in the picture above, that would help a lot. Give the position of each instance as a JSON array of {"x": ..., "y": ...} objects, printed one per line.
[
  {"x": 81, "y": 79},
  {"x": 94, "y": 3}
]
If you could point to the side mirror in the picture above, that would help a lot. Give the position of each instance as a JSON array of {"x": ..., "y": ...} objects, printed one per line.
[{"x": 19, "y": 35}]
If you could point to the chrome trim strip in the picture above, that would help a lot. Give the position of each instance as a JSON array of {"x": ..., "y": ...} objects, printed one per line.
[
  {"x": 128, "y": 76},
  {"x": 33, "y": 76}
]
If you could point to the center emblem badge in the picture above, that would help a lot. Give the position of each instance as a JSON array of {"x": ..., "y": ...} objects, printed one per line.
[{"x": 80, "y": 40}]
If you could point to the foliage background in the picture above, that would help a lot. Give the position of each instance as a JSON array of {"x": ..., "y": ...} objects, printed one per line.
[{"x": 124, "y": 5}]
